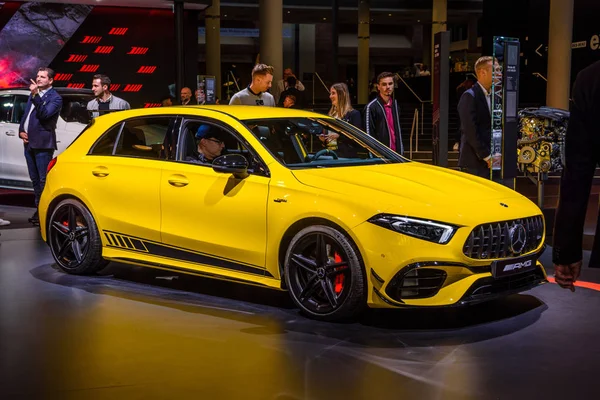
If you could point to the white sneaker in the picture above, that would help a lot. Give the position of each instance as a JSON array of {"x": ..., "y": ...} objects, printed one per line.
[
  {"x": 4, "y": 222},
  {"x": 455, "y": 147}
]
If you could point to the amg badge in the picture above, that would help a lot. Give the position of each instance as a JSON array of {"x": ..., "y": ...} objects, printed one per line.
[{"x": 518, "y": 265}]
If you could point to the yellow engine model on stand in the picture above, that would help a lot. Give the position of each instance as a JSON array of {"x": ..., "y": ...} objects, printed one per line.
[{"x": 541, "y": 143}]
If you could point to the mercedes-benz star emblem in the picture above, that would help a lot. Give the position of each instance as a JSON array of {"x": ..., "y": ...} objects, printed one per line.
[{"x": 518, "y": 238}]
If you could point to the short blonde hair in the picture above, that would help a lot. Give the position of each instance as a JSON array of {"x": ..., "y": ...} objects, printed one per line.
[
  {"x": 262, "y": 70},
  {"x": 482, "y": 62}
]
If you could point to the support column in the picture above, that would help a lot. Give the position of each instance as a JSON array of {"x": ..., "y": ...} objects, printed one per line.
[
  {"x": 213, "y": 44},
  {"x": 179, "y": 60},
  {"x": 364, "y": 19},
  {"x": 335, "y": 33},
  {"x": 438, "y": 24},
  {"x": 271, "y": 35},
  {"x": 559, "y": 54}
]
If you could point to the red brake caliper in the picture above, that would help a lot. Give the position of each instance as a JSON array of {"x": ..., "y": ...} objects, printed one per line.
[{"x": 339, "y": 278}]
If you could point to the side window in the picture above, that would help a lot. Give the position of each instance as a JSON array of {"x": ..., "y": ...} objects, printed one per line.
[
  {"x": 74, "y": 109},
  {"x": 145, "y": 137},
  {"x": 19, "y": 108},
  {"x": 6, "y": 108},
  {"x": 105, "y": 145},
  {"x": 202, "y": 142}
]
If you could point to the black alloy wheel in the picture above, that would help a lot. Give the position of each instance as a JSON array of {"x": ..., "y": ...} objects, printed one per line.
[
  {"x": 324, "y": 274},
  {"x": 74, "y": 240}
]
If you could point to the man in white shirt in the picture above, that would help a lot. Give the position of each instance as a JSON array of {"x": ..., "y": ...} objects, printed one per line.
[
  {"x": 256, "y": 93},
  {"x": 282, "y": 84}
]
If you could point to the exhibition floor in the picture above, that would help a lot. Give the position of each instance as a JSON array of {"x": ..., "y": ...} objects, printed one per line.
[{"x": 137, "y": 333}]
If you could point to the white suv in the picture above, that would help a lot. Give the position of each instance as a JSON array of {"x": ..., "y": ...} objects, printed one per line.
[{"x": 73, "y": 118}]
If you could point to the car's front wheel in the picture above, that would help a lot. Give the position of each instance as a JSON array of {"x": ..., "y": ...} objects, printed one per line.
[
  {"x": 324, "y": 274},
  {"x": 74, "y": 239}
]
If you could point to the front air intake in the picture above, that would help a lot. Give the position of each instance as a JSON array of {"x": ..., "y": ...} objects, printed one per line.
[{"x": 418, "y": 283}]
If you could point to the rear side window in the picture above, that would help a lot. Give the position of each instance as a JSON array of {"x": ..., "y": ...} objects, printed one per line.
[
  {"x": 105, "y": 145},
  {"x": 74, "y": 108},
  {"x": 145, "y": 137},
  {"x": 19, "y": 108},
  {"x": 6, "y": 108}
]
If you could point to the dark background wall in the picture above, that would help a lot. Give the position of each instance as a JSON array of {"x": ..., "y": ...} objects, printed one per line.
[
  {"x": 140, "y": 62},
  {"x": 528, "y": 20}
]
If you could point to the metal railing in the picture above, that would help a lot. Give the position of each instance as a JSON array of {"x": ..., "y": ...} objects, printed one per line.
[
  {"x": 423, "y": 102},
  {"x": 234, "y": 80},
  {"x": 537, "y": 74},
  {"x": 412, "y": 132},
  {"x": 313, "y": 86}
]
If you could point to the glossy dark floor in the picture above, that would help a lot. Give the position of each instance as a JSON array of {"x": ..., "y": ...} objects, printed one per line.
[{"x": 135, "y": 333}]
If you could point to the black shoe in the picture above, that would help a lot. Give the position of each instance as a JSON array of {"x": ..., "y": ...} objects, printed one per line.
[{"x": 35, "y": 218}]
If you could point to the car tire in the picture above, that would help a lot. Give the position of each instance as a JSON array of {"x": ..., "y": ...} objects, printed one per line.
[
  {"x": 324, "y": 274},
  {"x": 74, "y": 239}
]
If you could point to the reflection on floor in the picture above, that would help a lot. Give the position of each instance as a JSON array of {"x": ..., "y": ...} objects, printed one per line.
[{"x": 136, "y": 333}]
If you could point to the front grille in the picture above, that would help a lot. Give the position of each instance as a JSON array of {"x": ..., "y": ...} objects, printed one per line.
[
  {"x": 417, "y": 283},
  {"x": 489, "y": 241}
]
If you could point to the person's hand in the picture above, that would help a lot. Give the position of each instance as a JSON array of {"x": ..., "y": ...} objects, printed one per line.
[
  {"x": 331, "y": 136},
  {"x": 33, "y": 87},
  {"x": 23, "y": 135},
  {"x": 567, "y": 274},
  {"x": 488, "y": 161},
  {"x": 496, "y": 160}
]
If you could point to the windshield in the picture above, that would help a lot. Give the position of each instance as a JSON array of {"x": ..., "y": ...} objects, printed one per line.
[{"x": 319, "y": 142}]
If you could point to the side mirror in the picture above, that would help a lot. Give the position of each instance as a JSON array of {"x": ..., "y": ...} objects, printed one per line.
[{"x": 235, "y": 164}]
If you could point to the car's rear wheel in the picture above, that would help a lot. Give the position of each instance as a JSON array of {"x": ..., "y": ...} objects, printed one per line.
[
  {"x": 74, "y": 239},
  {"x": 324, "y": 274}
]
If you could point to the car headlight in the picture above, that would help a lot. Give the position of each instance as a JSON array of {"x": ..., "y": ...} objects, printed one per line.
[{"x": 432, "y": 231}]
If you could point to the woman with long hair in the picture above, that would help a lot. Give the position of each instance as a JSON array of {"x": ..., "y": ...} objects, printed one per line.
[{"x": 341, "y": 107}]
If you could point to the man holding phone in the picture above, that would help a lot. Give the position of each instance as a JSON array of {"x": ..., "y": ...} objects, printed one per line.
[{"x": 38, "y": 130}]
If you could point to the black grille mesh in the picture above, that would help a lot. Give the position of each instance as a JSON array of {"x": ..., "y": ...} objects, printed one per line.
[{"x": 489, "y": 241}]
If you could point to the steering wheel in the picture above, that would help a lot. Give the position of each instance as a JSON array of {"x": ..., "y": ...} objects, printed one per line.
[{"x": 325, "y": 152}]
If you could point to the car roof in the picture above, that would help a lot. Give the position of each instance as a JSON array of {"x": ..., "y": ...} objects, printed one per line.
[
  {"x": 61, "y": 90},
  {"x": 257, "y": 112}
]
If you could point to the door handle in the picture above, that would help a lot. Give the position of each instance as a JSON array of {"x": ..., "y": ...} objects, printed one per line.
[
  {"x": 10, "y": 133},
  {"x": 178, "y": 181},
  {"x": 100, "y": 172}
]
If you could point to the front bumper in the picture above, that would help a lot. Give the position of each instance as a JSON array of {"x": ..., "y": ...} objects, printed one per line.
[{"x": 451, "y": 280}]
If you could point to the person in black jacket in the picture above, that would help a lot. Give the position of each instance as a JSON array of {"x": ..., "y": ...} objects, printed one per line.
[
  {"x": 38, "y": 130},
  {"x": 382, "y": 116},
  {"x": 582, "y": 156},
  {"x": 291, "y": 90},
  {"x": 474, "y": 110}
]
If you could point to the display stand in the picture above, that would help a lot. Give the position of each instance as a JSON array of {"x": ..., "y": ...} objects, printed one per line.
[{"x": 504, "y": 110}]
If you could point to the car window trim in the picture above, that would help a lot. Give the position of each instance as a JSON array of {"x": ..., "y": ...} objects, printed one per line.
[
  {"x": 89, "y": 153},
  {"x": 228, "y": 128},
  {"x": 124, "y": 121}
]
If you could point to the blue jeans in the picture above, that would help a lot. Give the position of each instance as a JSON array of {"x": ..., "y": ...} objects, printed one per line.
[{"x": 37, "y": 164}]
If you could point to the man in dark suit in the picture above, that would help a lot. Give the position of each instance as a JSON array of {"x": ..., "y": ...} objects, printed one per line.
[
  {"x": 38, "y": 130},
  {"x": 474, "y": 110},
  {"x": 582, "y": 155}
]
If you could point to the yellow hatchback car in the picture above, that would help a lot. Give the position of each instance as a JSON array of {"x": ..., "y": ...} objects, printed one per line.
[{"x": 289, "y": 200}]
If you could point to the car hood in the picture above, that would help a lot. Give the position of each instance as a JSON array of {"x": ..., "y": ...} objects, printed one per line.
[{"x": 409, "y": 184}]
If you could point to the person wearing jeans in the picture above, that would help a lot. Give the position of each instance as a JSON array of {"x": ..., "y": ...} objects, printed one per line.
[{"x": 38, "y": 130}]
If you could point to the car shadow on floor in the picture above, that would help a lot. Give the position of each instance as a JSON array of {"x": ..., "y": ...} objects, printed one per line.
[{"x": 274, "y": 313}]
